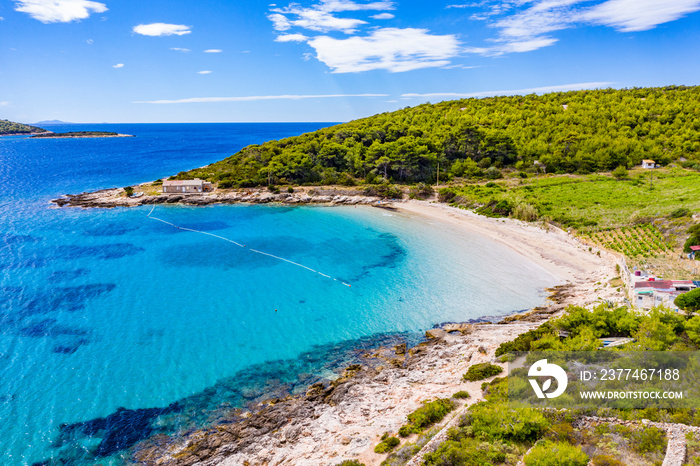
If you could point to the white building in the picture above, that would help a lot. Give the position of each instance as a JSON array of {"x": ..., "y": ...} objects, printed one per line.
[{"x": 186, "y": 186}]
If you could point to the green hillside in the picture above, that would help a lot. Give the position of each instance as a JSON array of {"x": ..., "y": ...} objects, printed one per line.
[
  {"x": 565, "y": 132},
  {"x": 10, "y": 127}
]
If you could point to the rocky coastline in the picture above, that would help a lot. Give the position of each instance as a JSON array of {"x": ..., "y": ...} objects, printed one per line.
[{"x": 115, "y": 197}]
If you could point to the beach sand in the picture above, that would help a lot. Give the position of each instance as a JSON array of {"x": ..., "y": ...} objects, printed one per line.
[{"x": 348, "y": 421}]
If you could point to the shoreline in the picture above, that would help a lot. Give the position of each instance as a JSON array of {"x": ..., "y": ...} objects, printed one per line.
[
  {"x": 59, "y": 136},
  {"x": 346, "y": 418}
]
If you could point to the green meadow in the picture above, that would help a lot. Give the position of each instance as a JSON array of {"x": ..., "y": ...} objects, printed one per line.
[{"x": 585, "y": 202}]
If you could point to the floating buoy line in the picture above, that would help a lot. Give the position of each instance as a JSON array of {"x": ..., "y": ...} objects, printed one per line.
[{"x": 150, "y": 215}]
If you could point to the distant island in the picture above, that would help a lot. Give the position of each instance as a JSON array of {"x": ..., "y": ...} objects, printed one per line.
[
  {"x": 8, "y": 128},
  {"x": 82, "y": 134},
  {"x": 52, "y": 122}
]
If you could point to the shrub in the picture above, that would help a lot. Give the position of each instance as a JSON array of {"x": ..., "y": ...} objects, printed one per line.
[
  {"x": 689, "y": 302},
  {"x": 482, "y": 371},
  {"x": 497, "y": 421},
  {"x": 405, "y": 431},
  {"x": 386, "y": 445},
  {"x": 523, "y": 342},
  {"x": 493, "y": 173},
  {"x": 525, "y": 212},
  {"x": 561, "y": 454},
  {"x": 694, "y": 238},
  {"x": 446, "y": 194},
  {"x": 346, "y": 180},
  {"x": 606, "y": 460},
  {"x": 467, "y": 452},
  {"x": 290, "y": 190},
  {"x": 620, "y": 172},
  {"x": 422, "y": 191},
  {"x": 648, "y": 440},
  {"x": 430, "y": 413},
  {"x": 461, "y": 395},
  {"x": 225, "y": 184},
  {"x": 129, "y": 191},
  {"x": 680, "y": 212},
  {"x": 350, "y": 463},
  {"x": 158, "y": 182}
]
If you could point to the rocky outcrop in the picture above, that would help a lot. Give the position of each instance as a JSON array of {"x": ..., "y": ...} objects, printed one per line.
[{"x": 116, "y": 197}]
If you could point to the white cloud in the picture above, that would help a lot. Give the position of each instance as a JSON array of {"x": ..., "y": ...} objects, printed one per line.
[
  {"x": 161, "y": 29},
  {"x": 89, "y": 41},
  {"x": 526, "y": 25},
  {"x": 320, "y": 17},
  {"x": 4, "y": 104},
  {"x": 118, "y": 65},
  {"x": 180, "y": 49},
  {"x": 532, "y": 90},
  {"x": 291, "y": 38},
  {"x": 315, "y": 20},
  {"x": 59, "y": 11},
  {"x": 639, "y": 15},
  {"x": 255, "y": 98},
  {"x": 390, "y": 49},
  {"x": 383, "y": 16},
  {"x": 213, "y": 51},
  {"x": 204, "y": 72},
  {"x": 347, "y": 5}
]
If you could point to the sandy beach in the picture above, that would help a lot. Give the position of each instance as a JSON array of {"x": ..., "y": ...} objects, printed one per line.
[{"x": 346, "y": 419}]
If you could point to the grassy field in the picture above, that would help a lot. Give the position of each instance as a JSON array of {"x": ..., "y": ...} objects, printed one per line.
[{"x": 594, "y": 202}]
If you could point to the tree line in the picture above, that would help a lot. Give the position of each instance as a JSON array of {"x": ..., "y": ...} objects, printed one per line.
[{"x": 563, "y": 132}]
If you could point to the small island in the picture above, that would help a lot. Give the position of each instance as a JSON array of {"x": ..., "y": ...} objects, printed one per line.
[
  {"x": 11, "y": 128},
  {"x": 82, "y": 134}
]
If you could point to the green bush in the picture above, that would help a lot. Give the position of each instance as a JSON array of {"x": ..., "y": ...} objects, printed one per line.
[
  {"x": 620, "y": 172},
  {"x": 497, "y": 421},
  {"x": 689, "y": 302},
  {"x": 461, "y": 395},
  {"x": 465, "y": 451},
  {"x": 430, "y": 413},
  {"x": 405, "y": 431},
  {"x": 421, "y": 191},
  {"x": 648, "y": 440},
  {"x": 129, "y": 191},
  {"x": 556, "y": 453},
  {"x": 387, "y": 444},
  {"x": 482, "y": 371},
  {"x": 606, "y": 460},
  {"x": 523, "y": 342},
  {"x": 680, "y": 212},
  {"x": 290, "y": 190},
  {"x": 350, "y": 463}
]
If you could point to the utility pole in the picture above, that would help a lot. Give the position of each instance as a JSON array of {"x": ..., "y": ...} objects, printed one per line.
[{"x": 437, "y": 181}]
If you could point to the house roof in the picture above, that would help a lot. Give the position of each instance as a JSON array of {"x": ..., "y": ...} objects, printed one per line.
[
  {"x": 648, "y": 161},
  {"x": 682, "y": 282},
  {"x": 695, "y": 248},
  {"x": 195, "y": 182},
  {"x": 657, "y": 285}
]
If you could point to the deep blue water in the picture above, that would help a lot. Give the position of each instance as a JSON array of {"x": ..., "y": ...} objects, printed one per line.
[{"x": 115, "y": 327}]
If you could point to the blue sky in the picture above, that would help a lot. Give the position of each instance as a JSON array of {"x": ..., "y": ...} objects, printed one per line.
[{"x": 324, "y": 60}]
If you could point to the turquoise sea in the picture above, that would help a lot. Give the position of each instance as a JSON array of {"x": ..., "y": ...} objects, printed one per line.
[{"x": 115, "y": 327}]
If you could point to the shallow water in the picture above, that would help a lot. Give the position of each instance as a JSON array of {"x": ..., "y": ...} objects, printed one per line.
[{"x": 108, "y": 309}]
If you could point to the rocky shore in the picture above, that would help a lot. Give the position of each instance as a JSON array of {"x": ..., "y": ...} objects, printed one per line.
[{"x": 116, "y": 197}]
